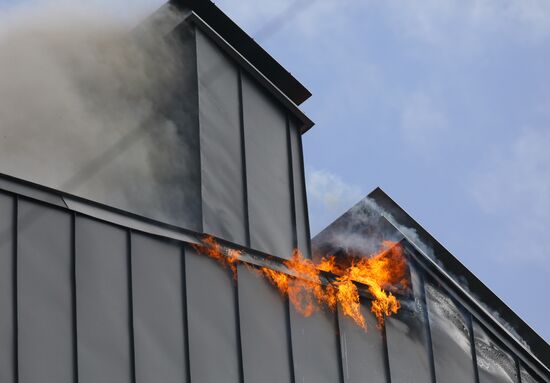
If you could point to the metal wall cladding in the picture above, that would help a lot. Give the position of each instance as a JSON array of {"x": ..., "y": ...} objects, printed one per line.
[
  {"x": 103, "y": 302},
  {"x": 222, "y": 162},
  {"x": 363, "y": 352},
  {"x": 212, "y": 321},
  {"x": 407, "y": 338},
  {"x": 494, "y": 363},
  {"x": 450, "y": 334},
  {"x": 263, "y": 314},
  {"x": 44, "y": 294},
  {"x": 315, "y": 347},
  {"x": 97, "y": 302},
  {"x": 268, "y": 173},
  {"x": 7, "y": 291},
  {"x": 158, "y": 306}
]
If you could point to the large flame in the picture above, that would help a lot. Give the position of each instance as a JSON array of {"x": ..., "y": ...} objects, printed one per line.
[{"x": 383, "y": 273}]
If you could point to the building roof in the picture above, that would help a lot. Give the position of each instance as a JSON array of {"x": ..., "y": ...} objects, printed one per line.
[
  {"x": 247, "y": 47},
  {"x": 450, "y": 268}
]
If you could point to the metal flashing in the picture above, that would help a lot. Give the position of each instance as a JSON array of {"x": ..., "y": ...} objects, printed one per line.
[{"x": 247, "y": 47}]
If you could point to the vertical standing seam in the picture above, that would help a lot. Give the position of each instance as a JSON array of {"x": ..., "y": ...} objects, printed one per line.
[
  {"x": 337, "y": 330},
  {"x": 15, "y": 220},
  {"x": 427, "y": 327},
  {"x": 198, "y": 121},
  {"x": 130, "y": 307},
  {"x": 518, "y": 368},
  {"x": 289, "y": 337},
  {"x": 185, "y": 323},
  {"x": 304, "y": 195},
  {"x": 386, "y": 352},
  {"x": 291, "y": 184},
  {"x": 243, "y": 157},
  {"x": 473, "y": 346},
  {"x": 73, "y": 297},
  {"x": 235, "y": 282}
]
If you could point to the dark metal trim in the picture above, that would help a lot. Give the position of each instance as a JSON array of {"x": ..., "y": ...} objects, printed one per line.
[
  {"x": 289, "y": 343},
  {"x": 290, "y": 173},
  {"x": 199, "y": 125},
  {"x": 338, "y": 331},
  {"x": 473, "y": 345},
  {"x": 235, "y": 282},
  {"x": 243, "y": 157},
  {"x": 247, "y": 47},
  {"x": 73, "y": 298},
  {"x": 427, "y": 326},
  {"x": 185, "y": 313},
  {"x": 130, "y": 305},
  {"x": 386, "y": 354},
  {"x": 518, "y": 368},
  {"x": 304, "y": 195},
  {"x": 15, "y": 289}
]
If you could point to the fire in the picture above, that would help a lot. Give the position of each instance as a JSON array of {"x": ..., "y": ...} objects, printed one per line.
[
  {"x": 226, "y": 257},
  {"x": 383, "y": 273},
  {"x": 305, "y": 291},
  {"x": 386, "y": 270}
]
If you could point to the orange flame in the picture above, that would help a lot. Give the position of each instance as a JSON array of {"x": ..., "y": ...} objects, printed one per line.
[
  {"x": 382, "y": 273},
  {"x": 226, "y": 257},
  {"x": 305, "y": 291},
  {"x": 386, "y": 270}
]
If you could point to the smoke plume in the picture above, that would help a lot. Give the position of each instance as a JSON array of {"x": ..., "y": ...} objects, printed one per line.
[{"x": 82, "y": 105}]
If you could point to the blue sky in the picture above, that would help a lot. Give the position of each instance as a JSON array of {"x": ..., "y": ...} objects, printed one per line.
[{"x": 443, "y": 104}]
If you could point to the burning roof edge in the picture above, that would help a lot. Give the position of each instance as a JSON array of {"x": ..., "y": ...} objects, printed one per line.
[
  {"x": 454, "y": 269},
  {"x": 247, "y": 47}
]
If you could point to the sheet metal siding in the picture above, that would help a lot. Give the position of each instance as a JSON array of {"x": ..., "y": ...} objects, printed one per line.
[
  {"x": 223, "y": 187},
  {"x": 450, "y": 334},
  {"x": 7, "y": 323},
  {"x": 236, "y": 330},
  {"x": 44, "y": 294},
  {"x": 408, "y": 353},
  {"x": 157, "y": 290},
  {"x": 494, "y": 362},
  {"x": 268, "y": 175},
  {"x": 315, "y": 347},
  {"x": 102, "y": 297},
  {"x": 212, "y": 320},
  {"x": 264, "y": 332}
]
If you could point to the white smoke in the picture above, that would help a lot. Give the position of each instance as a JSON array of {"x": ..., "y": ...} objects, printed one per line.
[{"x": 78, "y": 84}]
